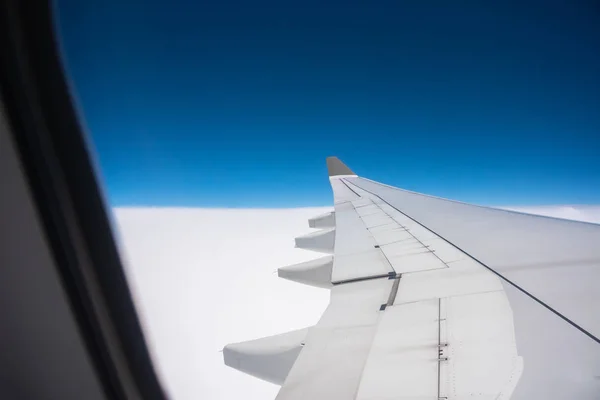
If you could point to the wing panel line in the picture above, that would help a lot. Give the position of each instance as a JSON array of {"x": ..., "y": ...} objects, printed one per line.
[
  {"x": 404, "y": 228},
  {"x": 379, "y": 248},
  {"x": 390, "y": 275},
  {"x": 353, "y": 191},
  {"x": 394, "y": 290}
]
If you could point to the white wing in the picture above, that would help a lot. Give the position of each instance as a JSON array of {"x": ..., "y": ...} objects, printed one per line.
[{"x": 437, "y": 299}]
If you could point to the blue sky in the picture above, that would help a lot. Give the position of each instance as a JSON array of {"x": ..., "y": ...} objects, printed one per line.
[{"x": 237, "y": 104}]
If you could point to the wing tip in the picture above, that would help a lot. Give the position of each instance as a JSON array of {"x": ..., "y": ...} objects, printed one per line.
[{"x": 336, "y": 167}]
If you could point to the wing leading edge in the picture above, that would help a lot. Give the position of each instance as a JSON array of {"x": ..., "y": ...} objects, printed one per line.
[{"x": 437, "y": 299}]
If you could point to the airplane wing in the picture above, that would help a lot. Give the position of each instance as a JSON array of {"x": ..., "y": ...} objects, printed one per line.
[{"x": 438, "y": 299}]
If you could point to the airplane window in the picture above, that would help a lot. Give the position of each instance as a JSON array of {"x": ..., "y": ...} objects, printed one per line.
[{"x": 211, "y": 122}]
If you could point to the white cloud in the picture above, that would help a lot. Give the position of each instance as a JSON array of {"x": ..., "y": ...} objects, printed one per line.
[
  {"x": 578, "y": 213},
  {"x": 203, "y": 278}
]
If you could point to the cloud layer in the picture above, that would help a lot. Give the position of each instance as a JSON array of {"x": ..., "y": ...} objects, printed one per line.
[
  {"x": 203, "y": 278},
  {"x": 578, "y": 213}
]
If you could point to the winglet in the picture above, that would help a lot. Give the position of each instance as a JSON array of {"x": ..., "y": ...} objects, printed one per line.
[{"x": 336, "y": 167}]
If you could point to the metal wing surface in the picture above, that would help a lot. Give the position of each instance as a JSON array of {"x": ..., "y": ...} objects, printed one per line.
[{"x": 438, "y": 299}]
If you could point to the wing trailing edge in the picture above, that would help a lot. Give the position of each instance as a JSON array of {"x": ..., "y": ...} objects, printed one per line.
[
  {"x": 313, "y": 273},
  {"x": 323, "y": 221},
  {"x": 270, "y": 358},
  {"x": 321, "y": 241}
]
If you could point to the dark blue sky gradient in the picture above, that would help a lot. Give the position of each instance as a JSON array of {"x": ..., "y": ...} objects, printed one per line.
[{"x": 238, "y": 103}]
